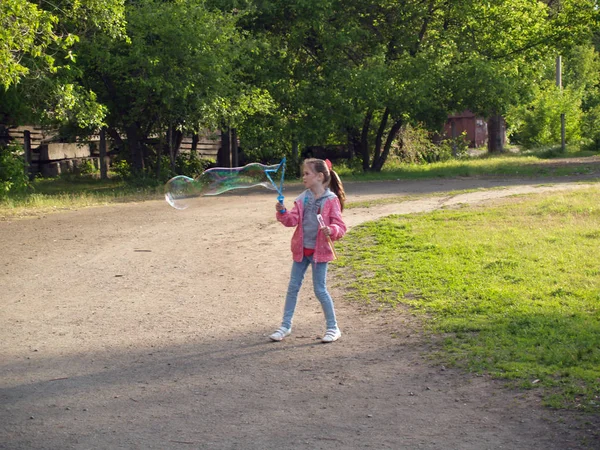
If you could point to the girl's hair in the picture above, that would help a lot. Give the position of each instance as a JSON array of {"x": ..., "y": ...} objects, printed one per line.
[{"x": 330, "y": 178}]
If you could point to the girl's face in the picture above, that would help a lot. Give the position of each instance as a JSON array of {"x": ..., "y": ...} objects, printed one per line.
[{"x": 310, "y": 178}]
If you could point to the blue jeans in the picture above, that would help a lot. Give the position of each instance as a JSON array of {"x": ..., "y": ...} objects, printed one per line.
[{"x": 319, "y": 274}]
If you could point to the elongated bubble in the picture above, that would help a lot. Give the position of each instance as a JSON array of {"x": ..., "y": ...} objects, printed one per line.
[{"x": 180, "y": 190}]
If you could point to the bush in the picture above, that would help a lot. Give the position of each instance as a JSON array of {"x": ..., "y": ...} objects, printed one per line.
[
  {"x": 190, "y": 165},
  {"x": 186, "y": 164},
  {"x": 538, "y": 123},
  {"x": 353, "y": 165},
  {"x": 457, "y": 147},
  {"x": 416, "y": 146},
  {"x": 165, "y": 172},
  {"x": 122, "y": 168},
  {"x": 144, "y": 179},
  {"x": 13, "y": 172},
  {"x": 591, "y": 128},
  {"x": 87, "y": 167}
]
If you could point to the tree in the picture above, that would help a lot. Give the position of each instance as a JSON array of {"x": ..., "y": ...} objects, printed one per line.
[
  {"x": 510, "y": 70},
  {"x": 537, "y": 122},
  {"x": 26, "y": 32},
  {"x": 176, "y": 71},
  {"x": 38, "y": 61},
  {"x": 364, "y": 69},
  {"x": 582, "y": 73}
]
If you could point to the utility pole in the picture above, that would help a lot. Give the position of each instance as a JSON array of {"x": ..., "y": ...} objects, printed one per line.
[{"x": 562, "y": 115}]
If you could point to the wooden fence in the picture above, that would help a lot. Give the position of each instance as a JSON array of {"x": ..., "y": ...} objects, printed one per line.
[
  {"x": 37, "y": 135},
  {"x": 53, "y": 158},
  {"x": 207, "y": 147}
]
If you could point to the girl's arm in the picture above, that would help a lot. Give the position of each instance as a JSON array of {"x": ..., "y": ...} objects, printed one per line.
[
  {"x": 334, "y": 220},
  {"x": 290, "y": 217}
]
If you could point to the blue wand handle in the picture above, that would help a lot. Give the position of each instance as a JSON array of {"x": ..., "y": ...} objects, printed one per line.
[{"x": 280, "y": 200}]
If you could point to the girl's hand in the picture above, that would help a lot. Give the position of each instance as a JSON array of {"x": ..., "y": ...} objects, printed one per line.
[
  {"x": 326, "y": 231},
  {"x": 279, "y": 207}
]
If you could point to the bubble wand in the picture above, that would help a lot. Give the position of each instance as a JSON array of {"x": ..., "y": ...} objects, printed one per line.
[
  {"x": 322, "y": 224},
  {"x": 279, "y": 188},
  {"x": 180, "y": 190}
]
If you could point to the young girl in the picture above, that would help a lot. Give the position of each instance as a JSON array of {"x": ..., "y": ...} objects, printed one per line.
[{"x": 310, "y": 240}]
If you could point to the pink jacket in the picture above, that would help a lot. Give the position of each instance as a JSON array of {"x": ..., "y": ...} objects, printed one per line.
[{"x": 332, "y": 216}]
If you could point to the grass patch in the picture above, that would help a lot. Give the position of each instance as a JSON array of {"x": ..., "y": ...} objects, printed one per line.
[
  {"x": 58, "y": 194},
  {"x": 530, "y": 165},
  {"x": 394, "y": 199},
  {"x": 76, "y": 192},
  {"x": 516, "y": 285},
  {"x": 381, "y": 201}
]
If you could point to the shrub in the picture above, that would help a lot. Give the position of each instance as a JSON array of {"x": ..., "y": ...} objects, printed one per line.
[
  {"x": 13, "y": 172},
  {"x": 87, "y": 167},
  {"x": 539, "y": 124},
  {"x": 191, "y": 165},
  {"x": 122, "y": 168},
  {"x": 457, "y": 147},
  {"x": 416, "y": 146},
  {"x": 591, "y": 128}
]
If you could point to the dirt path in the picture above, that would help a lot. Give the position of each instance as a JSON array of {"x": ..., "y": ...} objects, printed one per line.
[{"x": 141, "y": 327}]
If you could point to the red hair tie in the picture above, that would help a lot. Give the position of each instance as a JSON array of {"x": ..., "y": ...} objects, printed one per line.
[{"x": 328, "y": 164}]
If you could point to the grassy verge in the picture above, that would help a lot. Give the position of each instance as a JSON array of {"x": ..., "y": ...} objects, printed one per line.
[
  {"x": 496, "y": 165},
  {"x": 515, "y": 288},
  {"x": 59, "y": 193},
  {"x": 56, "y": 194}
]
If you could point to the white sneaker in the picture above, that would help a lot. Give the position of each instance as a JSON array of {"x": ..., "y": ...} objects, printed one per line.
[
  {"x": 331, "y": 335},
  {"x": 280, "y": 334}
]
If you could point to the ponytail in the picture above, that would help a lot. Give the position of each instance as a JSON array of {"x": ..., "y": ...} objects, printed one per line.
[{"x": 335, "y": 184}]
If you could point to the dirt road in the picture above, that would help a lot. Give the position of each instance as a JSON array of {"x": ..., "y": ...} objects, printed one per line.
[{"x": 141, "y": 327}]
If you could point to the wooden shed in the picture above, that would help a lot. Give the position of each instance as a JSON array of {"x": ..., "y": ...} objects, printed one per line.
[{"x": 466, "y": 121}]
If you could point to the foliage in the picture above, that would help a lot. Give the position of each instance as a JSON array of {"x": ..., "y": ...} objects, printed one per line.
[
  {"x": 538, "y": 123},
  {"x": 192, "y": 166},
  {"x": 517, "y": 286},
  {"x": 162, "y": 175},
  {"x": 355, "y": 71},
  {"x": 189, "y": 165},
  {"x": 583, "y": 71},
  {"x": 25, "y": 31},
  {"x": 38, "y": 50},
  {"x": 412, "y": 144},
  {"x": 177, "y": 70},
  {"x": 121, "y": 168},
  {"x": 457, "y": 147},
  {"x": 76, "y": 106},
  {"x": 52, "y": 194},
  {"x": 262, "y": 138},
  {"x": 13, "y": 172},
  {"x": 286, "y": 74},
  {"x": 147, "y": 178},
  {"x": 591, "y": 127},
  {"x": 416, "y": 145}
]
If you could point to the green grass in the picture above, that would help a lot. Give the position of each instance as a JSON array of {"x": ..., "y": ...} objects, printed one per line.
[
  {"x": 76, "y": 192},
  {"x": 56, "y": 194},
  {"x": 496, "y": 165},
  {"x": 515, "y": 288}
]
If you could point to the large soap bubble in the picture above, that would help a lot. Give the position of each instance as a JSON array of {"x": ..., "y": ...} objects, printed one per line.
[{"x": 180, "y": 190}]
